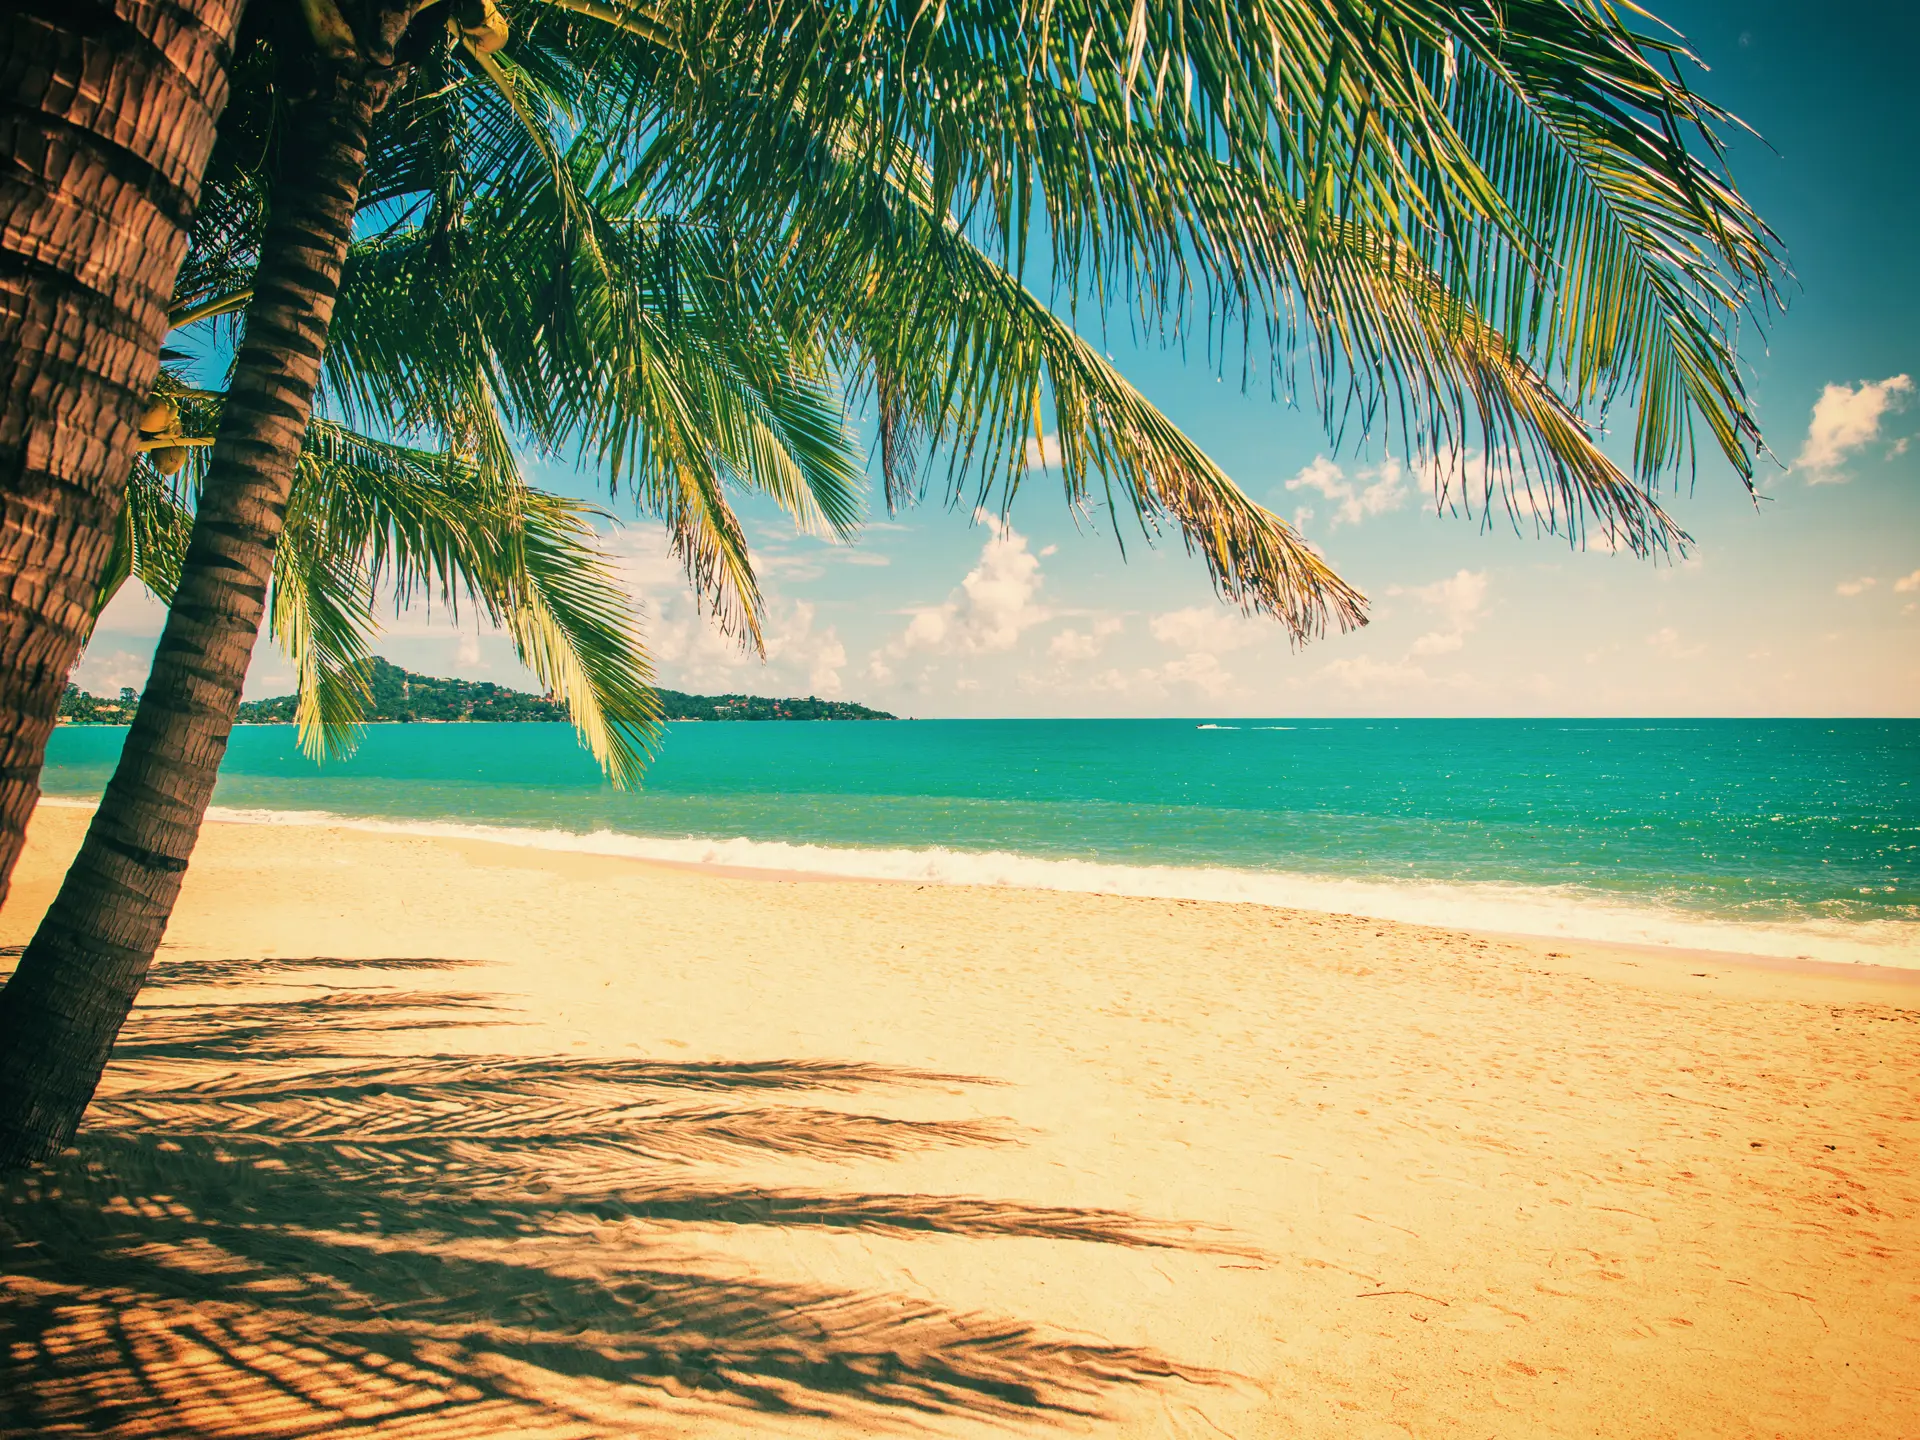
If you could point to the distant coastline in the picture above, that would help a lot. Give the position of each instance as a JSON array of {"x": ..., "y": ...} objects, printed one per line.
[
  {"x": 402, "y": 697},
  {"x": 1418, "y": 821}
]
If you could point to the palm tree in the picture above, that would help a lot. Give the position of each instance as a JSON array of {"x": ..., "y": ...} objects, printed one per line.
[
  {"x": 107, "y": 116},
  {"x": 1480, "y": 221},
  {"x": 464, "y": 323},
  {"x": 1543, "y": 159}
]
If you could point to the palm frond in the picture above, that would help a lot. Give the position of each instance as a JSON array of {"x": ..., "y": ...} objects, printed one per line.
[
  {"x": 320, "y": 612},
  {"x": 1001, "y": 350},
  {"x": 149, "y": 539},
  {"x": 571, "y": 625},
  {"x": 1544, "y": 161},
  {"x": 431, "y": 526}
]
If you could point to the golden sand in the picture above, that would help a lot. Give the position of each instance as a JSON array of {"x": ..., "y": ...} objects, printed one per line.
[{"x": 437, "y": 1138}]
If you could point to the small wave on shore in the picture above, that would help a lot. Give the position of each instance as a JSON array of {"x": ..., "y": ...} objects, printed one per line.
[{"x": 1547, "y": 911}]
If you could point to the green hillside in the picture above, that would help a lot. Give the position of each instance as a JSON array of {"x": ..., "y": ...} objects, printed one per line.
[{"x": 400, "y": 695}]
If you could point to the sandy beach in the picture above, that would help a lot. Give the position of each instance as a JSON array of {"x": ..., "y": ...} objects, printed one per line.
[{"x": 434, "y": 1138}]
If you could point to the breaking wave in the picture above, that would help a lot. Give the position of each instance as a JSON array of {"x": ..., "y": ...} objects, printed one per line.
[{"x": 1548, "y": 911}]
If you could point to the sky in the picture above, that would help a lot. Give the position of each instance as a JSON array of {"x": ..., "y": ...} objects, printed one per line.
[{"x": 1806, "y": 603}]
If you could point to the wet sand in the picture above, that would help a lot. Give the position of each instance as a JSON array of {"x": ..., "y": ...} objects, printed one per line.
[{"x": 430, "y": 1137}]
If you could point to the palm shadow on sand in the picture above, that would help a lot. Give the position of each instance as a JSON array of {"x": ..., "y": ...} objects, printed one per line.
[{"x": 271, "y": 1229}]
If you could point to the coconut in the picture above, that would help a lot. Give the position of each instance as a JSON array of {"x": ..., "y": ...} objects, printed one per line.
[
  {"x": 483, "y": 25},
  {"x": 168, "y": 459},
  {"x": 159, "y": 417}
]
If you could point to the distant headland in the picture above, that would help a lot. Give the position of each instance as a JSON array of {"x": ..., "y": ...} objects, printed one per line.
[{"x": 401, "y": 696}]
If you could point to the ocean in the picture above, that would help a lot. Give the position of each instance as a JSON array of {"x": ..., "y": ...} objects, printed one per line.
[{"x": 1790, "y": 838}]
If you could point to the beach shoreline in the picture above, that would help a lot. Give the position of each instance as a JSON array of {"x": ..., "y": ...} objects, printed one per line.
[
  {"x": 951, "y": 1160},
  {"x": 1005, "y": 870}
]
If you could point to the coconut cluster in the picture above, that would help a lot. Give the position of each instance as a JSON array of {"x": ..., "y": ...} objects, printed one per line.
[
  {"x": 484, "y": 27},
  {"x": 159, "y": 424}
]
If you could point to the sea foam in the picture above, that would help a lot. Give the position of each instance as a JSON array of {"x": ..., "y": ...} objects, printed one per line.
[{"x": 1550, "y": 912}]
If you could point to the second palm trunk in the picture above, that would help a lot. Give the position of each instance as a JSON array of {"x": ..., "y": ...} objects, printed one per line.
[{"x": 63, "y": 1008}]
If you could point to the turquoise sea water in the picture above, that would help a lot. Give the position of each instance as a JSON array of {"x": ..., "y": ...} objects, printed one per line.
[{"x": 1789, "y": 837}]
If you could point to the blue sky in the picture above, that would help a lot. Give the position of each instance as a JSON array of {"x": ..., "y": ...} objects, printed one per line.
[{"x": 1807, "y": 604}]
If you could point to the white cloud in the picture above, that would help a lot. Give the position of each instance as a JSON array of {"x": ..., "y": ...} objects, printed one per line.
[
  {"x": 1459, "y": 598},
  {"x": 1043, "y": 452},
  {"x": 866, "y": 557},
  {"x": 1206, "y": 628},
  {"x": 102, "y": 671},
  {"x": 1323, "y": 475},
  {"x": 1612, "y": 542},
  {"x": 794, "y": 647},
  {"x": 1439, "y": 642},
  {"x": 691, "y": 651},
  {"x": 1202, "y": 632},
  {"x": 992, "y": 608},
  {"x": 685, "y": 644},
  {"x": 1845, "y": 417},
  {"x": 1907, "y": 584},
  {"x": 1368, "y": 493},
  {"x": 1668, "y": 642},
  {"x": 1519, "y": 492},
  {"x": 1071, "y": 646},
  {"x": 689, "y": 648},
  {"x": 1455, "y": 605},
  {"x": 1203, "y": 672},
  {"x": 1855, "y": 587},
  {"x": 1457, "y": 602}
]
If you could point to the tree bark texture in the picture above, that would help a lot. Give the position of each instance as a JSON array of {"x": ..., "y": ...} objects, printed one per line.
[
  {"x": 107, "y": 115},
  {"x": 65, "y": 1004}
]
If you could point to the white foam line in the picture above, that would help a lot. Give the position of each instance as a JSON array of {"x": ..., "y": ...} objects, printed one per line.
[{"x": 1551, "y": 912}]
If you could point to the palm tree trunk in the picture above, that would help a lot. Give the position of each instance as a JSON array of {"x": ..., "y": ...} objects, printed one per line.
[
  {"x": 107, "y": 115},
  {"x": 65, "y": 1004}
]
